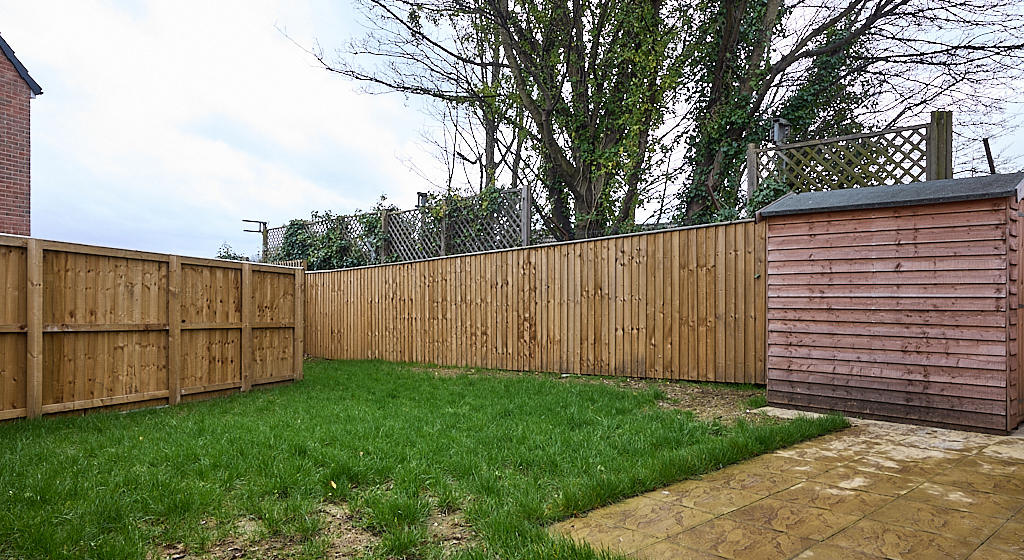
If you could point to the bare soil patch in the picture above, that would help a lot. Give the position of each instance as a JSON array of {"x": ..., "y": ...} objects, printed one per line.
[
  {"x": 707, "y": 401},
  {"x": 451, "y": 531},
  {"x": 344, "y": 541},
  {"x": 441, "y": 371}
]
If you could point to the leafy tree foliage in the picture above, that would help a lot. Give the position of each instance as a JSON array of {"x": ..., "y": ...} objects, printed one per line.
[
  {"x": 335, "y": 242},
  {"x": 329, "y": 241},
  {"x": 226, "y": 252},
  {"x": 833, "y": 68},
  {"x": 602, "y": 107}
]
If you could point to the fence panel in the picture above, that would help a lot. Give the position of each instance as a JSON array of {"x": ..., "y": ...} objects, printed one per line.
[
  {"x": 673, "y": 304},
  {"x": 84, "y": 327}
]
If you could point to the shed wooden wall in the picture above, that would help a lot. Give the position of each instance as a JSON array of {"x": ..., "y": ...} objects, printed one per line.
[
  {"x": 897, "y": 313},
  {"x": 678, "y": 304},
  {"x": 1014, "y": 375},
  {"x": 85, "y": 327}
]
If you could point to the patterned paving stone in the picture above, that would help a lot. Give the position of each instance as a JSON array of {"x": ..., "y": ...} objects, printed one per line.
[
  {"x": 960, "y": 525},
  {"x": 730, "y": 539},
  {"x": 942, "y": 444},
  {"x": 912, "y": 469},
  {"x": 574, "y": 524},
  {"x": 1009, "y": 538},
  {"x": 900, "y": 543},
  {"x": 983, "y": 482},
  {"x": 790, "y": 466},
  {"x": 833, "y": 498},
  {"x": 993, "y": 465},
  {"x": 849, "y": 442},
  {"x": 614, "y": 511},
  {"x": 814, "y": 453},
  {"x": 707, "y": 497},
  {"x": 796, "y": 519},
  {"x": 826, "y": 551},
  {"x": 868, "y": 481},
  {"x": 911, "y": 454},
  {"x": 654, "y": 517},
  {"x": 875, "y": 491},
  {"x": 604, "y": 537},
  {"x": 751, "y": 479},
  {"x": 986, "y": 552},
  {"x": 667, "y": 550},
  {"x": 944, "y": 434},
  {"x": 992, "y": 505},
  {"x": 1011, "y": 449}
]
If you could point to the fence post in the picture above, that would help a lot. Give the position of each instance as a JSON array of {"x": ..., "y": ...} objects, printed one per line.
[
  {"x": 939, "y": 149},
  {"x": 246, "y": 326},
  {"x": 173, "y": 330},
  {"x": 298, "y": 333},
  {"x": 34, "y": 345},
  {"x": 524, "y": 216},
  {"x": 752, "y": 171},
  {"x": 266, "y": 241}
]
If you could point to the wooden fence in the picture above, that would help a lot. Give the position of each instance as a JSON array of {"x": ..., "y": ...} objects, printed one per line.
[
  {"x": 84, "y": 327},
  {"x": 678, "y": 304}
]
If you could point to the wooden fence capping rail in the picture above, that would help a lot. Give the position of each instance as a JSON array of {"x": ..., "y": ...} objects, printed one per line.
[
  {"x": 85, "y": 327},
  {"x": 683, "y": 303}
]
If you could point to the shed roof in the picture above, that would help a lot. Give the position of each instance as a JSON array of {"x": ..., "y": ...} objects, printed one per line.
[
  {"x": 928, "y": 192},
  {"x": 22, "y": 71}
]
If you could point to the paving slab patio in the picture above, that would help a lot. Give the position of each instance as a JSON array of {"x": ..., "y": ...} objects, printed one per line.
[{"x": 874, "y": 491}]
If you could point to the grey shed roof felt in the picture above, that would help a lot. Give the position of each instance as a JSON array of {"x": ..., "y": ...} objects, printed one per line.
[
  {"x": 22, "y": 71},
  {"x": 928, "y": 192}
]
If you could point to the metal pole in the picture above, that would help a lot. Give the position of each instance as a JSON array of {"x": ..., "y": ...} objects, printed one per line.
[
  {"x": 263, "y": 232},
  {"x": 988, "y": 154}
]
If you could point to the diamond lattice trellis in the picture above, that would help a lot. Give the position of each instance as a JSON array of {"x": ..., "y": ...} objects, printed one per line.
[
  {"x": 893, "y": 156},
  {"x": 429, "y": 231}
]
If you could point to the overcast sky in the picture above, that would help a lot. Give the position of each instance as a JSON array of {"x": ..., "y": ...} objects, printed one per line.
[{"x": 164, "y": 123}]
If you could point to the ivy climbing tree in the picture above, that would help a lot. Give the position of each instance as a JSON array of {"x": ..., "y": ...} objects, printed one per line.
[
  {"x": 328, "y": 241},
  {"x": 599, "y": 108}
]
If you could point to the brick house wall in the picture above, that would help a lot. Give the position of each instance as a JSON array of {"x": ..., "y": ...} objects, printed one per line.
[{"x": 15, "y": 184}]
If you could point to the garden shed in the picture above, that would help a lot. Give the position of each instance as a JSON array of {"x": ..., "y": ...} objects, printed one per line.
[{"x": 898, "y": 302}]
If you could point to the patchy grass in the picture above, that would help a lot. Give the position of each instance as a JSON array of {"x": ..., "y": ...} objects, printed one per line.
[
  {"x": 723, "y": 402},
  {"x": 756, "y": 401},
  {"x": 470, "y": 465}
]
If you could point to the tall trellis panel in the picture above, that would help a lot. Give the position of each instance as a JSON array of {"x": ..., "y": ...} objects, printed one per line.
[
  {"x": 429, "y": 231},
  {"x": 902, "y": 155}
]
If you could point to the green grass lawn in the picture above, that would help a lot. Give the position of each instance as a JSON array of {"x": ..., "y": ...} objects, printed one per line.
[{"x": 509, "y": 453}]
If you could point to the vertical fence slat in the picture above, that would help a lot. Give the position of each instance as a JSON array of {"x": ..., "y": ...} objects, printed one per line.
[
  {"x": 681, "y": 304},
  {"x": 299, "y": 332},
  {"x": 246, "y": 345},
  {"x": 173, "y": 330},
  {"x": 34, "y": 346}
]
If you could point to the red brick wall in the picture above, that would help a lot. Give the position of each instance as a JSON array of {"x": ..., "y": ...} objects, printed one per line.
[{"x": 15, "y": 189}]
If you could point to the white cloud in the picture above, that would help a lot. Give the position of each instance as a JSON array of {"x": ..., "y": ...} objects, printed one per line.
[{"x": 163, "y": 124}]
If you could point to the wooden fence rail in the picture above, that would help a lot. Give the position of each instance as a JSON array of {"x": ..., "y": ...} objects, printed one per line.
[
  {"x": 84, "y": 327},
  {"x": 677, "y": 304}
]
